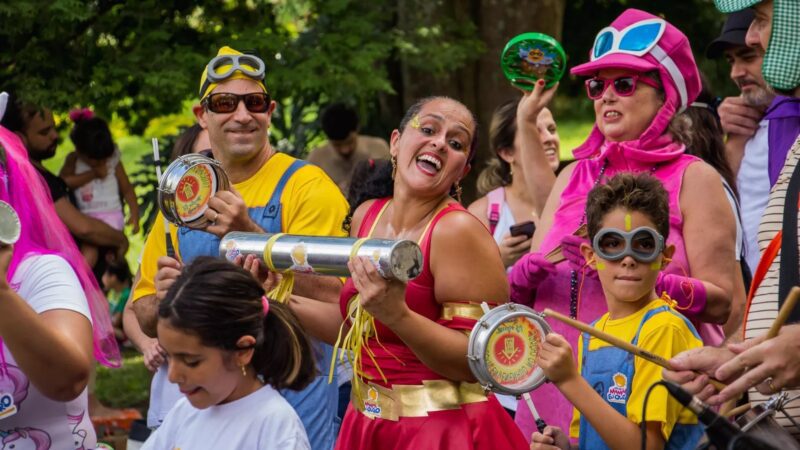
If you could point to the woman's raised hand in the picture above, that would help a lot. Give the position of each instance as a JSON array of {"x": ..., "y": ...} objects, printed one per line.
[
  {"x": 533, "y": 101},
  {"x": 384, "y": 299}
]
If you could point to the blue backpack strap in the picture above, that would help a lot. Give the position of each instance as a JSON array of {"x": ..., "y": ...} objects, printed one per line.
[{"x": 272, "y": 211}]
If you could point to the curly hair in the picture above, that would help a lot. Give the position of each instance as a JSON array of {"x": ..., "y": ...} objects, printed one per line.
[{"x": 632, "y": 192}]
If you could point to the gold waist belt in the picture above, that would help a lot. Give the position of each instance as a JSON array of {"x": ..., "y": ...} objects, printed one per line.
[{"x": 413, "y": 400}]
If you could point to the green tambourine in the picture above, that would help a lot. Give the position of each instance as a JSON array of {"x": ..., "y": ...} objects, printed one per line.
[{"x": 532, "y": 57}]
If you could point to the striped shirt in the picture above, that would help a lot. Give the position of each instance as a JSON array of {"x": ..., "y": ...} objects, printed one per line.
[{"x": 764, "y": 306}]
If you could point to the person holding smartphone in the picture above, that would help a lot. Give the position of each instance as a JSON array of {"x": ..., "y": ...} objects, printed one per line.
[{"x": 509, "y": 208}]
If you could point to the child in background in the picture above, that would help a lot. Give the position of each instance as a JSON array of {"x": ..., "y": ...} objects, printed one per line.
[
  {"x": 628, "y": 223},
  {"x": 117, "y": 279},
  {"x": 230, "y": 374},
  {"x": 96, "y": 175}
]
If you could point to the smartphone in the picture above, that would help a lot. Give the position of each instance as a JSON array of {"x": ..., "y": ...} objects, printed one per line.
[{"x": 523, "y": 228}]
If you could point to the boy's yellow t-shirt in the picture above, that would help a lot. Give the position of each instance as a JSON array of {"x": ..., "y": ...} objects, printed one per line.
[{"x": 665, "y": 334}]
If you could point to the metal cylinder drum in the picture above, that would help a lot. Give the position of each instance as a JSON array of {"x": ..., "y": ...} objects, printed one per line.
[
  {"x": 187, "y": 185},
  {"x": 394, "y": 259}
]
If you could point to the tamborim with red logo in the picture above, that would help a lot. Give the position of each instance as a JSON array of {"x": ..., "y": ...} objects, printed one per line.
[
  {"x": 187, "y": 186},
  {"x": 504, "y": 347}
]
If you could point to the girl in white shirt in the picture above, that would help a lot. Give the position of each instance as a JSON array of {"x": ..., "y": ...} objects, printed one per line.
[
  {"x": 229, "y": 350},
  {"x": 97, "y": 177}
]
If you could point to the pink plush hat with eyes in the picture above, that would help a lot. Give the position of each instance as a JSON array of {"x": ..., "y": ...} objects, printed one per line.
[{"x": 641, "y": 42}]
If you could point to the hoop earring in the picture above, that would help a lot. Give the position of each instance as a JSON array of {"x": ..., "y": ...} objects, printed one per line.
[
  {"x": 458, "y": 191},
  {"x": 394, "y": 166},
  {"x": 244, "y": 370}
]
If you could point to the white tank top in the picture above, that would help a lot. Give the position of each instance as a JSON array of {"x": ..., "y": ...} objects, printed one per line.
[{"x": 99, "y": 195}]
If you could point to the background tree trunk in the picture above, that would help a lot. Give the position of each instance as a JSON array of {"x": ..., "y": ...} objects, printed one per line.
[{"x": 481, "y": 85}]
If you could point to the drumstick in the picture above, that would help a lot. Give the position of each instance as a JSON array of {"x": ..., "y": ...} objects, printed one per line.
[
  {"x": 736, "y": 411},
  {"x": 783, "y": 314},
  {"x": 157, "y": 162},
  {"x": 540, "y": 423},
  {"x": 619, "y": 343}
]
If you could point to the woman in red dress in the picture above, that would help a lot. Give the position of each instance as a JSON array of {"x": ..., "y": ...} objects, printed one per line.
[{"x": 413, "y": 388}]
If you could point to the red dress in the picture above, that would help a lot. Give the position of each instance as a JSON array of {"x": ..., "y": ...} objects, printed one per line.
[{"x": 414, "y": 415}]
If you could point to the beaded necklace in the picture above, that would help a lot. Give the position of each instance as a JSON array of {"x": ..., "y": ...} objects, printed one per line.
[{"x": 573, "y": 278}]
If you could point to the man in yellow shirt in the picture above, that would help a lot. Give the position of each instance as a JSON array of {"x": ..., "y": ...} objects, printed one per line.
[{"x": 271, "y": 192}]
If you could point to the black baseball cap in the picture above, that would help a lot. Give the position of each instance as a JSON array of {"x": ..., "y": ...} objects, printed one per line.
[{"x": 733, "y": 32}]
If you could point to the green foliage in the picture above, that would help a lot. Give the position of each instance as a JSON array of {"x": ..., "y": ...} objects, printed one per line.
[
  {"x": 142, "y": 59},
  {"x": 145, "y": 182},
  {"x": 126, "y": 387}
]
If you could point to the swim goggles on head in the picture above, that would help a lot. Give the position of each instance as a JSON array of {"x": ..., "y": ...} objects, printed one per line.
[
  {"x": 249, "y": 65},
  {"x": 639, "y": 39},
  {"x": 644, "y": 244},
  {"x": 636, "y": 39}
]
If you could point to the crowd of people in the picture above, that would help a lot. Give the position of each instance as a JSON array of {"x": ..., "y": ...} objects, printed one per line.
[{"x": 675, "y": 229}]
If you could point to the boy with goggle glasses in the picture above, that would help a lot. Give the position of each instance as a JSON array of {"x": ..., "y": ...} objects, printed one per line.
[{"x": 627, "y": 220}]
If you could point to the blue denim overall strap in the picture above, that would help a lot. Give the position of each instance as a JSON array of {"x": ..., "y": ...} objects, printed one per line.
[
  {"x": 316, "y": 404},
  {"x": 194, "y": 243},
  {"x": 610, "y": 372}
]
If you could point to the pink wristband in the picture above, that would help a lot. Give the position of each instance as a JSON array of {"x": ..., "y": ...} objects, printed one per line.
[{"x": 689, "y": 293}]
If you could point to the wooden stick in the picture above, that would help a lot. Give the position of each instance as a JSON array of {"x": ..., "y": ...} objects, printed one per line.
[
  {"x": 736, "y": 411},
  {"x": 617, "y": 342},
  {"x": 783, "y": 314}
]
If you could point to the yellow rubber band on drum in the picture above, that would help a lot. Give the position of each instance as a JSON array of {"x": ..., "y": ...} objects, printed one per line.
[
  {"x": 361, "y": 327},
  {"x": 283, "y": 290},
  {"x": 357, "y": 246},
  {"x": 268, "y": 251}
]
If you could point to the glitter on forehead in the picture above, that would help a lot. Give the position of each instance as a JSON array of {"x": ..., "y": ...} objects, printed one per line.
[{"x": 414, "y": 121}]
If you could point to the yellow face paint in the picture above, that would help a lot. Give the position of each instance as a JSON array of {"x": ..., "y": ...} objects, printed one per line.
[
  {"x": 655, "y": 266},
  {"x": 414, "y": 123},
  {"x": 628, "y": 222},
  {"x": 601, "y": 266}
]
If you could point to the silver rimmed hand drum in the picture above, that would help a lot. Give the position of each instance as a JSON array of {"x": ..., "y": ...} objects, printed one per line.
[
  {"x": 186, "y": 187},
  {"x": 504, "y": 347},
  {"x": 10, "y": 227},
  {"x": 399, "y": 260}
]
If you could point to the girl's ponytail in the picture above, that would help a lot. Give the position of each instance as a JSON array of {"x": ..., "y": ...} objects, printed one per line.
[{"x": 284, "y": 356}]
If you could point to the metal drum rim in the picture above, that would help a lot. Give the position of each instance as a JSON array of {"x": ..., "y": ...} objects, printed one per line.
[
  {"x": 476, "y": 360},
  {"x": 165, "y": 195}
]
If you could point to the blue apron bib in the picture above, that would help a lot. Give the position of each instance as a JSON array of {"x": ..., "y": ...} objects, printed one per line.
[
  {"x": 316, "y": 404},
  {"x": 610, "y": 371}
]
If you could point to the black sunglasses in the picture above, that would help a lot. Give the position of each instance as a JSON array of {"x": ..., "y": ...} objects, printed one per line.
[{"x": 224, "y": 102}]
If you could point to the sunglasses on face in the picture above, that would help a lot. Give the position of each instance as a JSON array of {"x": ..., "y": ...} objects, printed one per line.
[
  {"x": 624, "y": 86},
  {"x": 224, "y": 103},
  {"x": 644, "y": 244}
]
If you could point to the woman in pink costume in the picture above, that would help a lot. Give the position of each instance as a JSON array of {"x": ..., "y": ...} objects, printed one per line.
[
  {"x": 51, "y": 310},
  {"x": 413, "y": 388},
  {"x": 641, "y": 73}
]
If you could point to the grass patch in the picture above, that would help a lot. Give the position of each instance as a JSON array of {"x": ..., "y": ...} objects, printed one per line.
[
  {"x": 126, "y": 387},
  {"x": 572, "y": 134}
]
